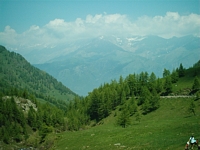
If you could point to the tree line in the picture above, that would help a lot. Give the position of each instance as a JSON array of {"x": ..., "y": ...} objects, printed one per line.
[{"x": 142, "y": 91}]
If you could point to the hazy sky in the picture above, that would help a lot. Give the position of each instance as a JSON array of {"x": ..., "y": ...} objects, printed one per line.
[{"x": 51, "y": 22}]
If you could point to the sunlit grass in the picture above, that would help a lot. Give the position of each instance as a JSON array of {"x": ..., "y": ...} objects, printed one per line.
[{"x": 169, "y": 127}]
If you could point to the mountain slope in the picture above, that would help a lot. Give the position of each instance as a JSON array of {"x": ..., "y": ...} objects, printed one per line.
[
  {"x": 157, "y": 130},
  {"x": 99, "y": 60},
  {"x": 16, "y": 72}
]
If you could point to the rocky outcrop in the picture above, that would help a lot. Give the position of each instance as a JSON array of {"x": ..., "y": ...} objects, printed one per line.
[{"x": 23, "y": 103}]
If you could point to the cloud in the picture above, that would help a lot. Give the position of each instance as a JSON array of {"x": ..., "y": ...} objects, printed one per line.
[
  {"x": 59, "y": 31},
  {"x": 172, "y": 24}
]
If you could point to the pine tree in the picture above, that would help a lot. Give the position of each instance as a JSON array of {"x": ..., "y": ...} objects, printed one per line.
[
  {"x": 32, "y": 118},
  {"x": 159, "y": 85},
  {"x": 94, "y": 105},
  {"x": 138, "y": 116},
  {"x": 123, "y": 97},
  {"x": 152, "y": 82},
  {"x": 166, "y": 73},
  {"x": 146, "y": 107},
  {"x": 144, "y": 96},
  {"x": 155, "y": 101},
  {"x": 168, "y": 85},
  {"x": 132, "y": 106},
  {"x": 181, "y": 71},
  {"x": 192, "y": 108},
  {"x": 196, "y": 84},
  {"x": 124, "y": 117},
  {"x": 174, "y": 76}
]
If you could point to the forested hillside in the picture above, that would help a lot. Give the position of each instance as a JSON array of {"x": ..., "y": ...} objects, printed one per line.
[
  {"x": 26, "y": 120},
  {"x": 32, "y": 103},
  {"x": 143, "y": 92},
  {"x": 17, "y": 73}
]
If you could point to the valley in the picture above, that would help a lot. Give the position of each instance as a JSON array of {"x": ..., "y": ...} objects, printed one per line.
[
  {"x": 99, "y": 60},
  {"x": 160, "y": 112},
  {"x": 99, "y": 75}
]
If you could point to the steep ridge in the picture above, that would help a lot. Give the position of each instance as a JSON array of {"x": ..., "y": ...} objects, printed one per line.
[{"x": 16, "y": 72}]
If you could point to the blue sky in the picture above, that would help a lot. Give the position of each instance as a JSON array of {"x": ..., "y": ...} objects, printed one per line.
[
  {"x": 21, "y": 14},
  {"x": 43, "y": 23}
]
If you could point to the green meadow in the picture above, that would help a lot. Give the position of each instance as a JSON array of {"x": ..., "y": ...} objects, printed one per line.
[{"x": 169, "y": 127}]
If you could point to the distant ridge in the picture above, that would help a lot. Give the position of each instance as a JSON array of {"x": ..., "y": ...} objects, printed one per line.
[{"x": 83, "y": 66}]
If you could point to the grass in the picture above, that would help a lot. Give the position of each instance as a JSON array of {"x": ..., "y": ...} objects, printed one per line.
[
  {"x": 169, "y": 127},
  {"x": 184, "y": 84}
]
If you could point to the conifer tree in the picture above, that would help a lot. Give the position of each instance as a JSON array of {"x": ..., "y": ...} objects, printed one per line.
[
  {"x": 174, "y": 76},
  {"x": 159, "y": 85},
  {"x": 166, "y": 73},
  {"x": 94, "y": 105},
  {"x": 168, "y": 85},
  {"x": 123, "y": 97},
  {"x": 124, "y": 117},
  {"x": 152, "y": 82},
  {"x": 32, "y": 118},
  {"x": 138, "y": 116},
  {"x": 155, "y": 101},
  {"x": 132, "y": 106},
  {"x": 192, "y": 107},
  {"x": 181, "y": 71},
  {"x": 196, "y": 84}
]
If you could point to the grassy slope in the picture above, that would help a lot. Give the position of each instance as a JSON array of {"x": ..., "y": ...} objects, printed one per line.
[
  {"x": 185, "y": 83},
  {"x": 169, "y": 127}
]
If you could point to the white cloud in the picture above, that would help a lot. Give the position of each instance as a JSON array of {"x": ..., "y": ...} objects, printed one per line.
[
  {"x": 172, "y": 24},
  {"x": 59, "y": 31}
]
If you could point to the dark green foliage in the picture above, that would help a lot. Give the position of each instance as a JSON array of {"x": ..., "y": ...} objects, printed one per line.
[
  {"x": 32, "y": 119},
  {"x": 192, "y": 108},
  {"x": 16, "y": 72},
  {"x": 77, "y": 114},
  {"x": 196, "y": 84},
  {"x": 166, "y": 73},
  {"x": 168, "y": 85},
  {"x": 103, "y": 100},
  {"x": 132, "y": 106},
  {"x": 148, "y": 100},
  {"x": 138, "y": 115},
  {"x": 124, "y": 117},
  {"x": 181, "y": 71},
  {"x": 159, "y": 85},
  {"x": 12, "y": 121},
  {"x": 197, "y": 65},
  {"x": 174, "y": 76},
  {"x": 44, "y": 130}
]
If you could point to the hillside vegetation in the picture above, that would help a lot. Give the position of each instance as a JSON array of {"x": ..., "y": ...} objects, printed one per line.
[
  {"x": 139, "y": 119},
  {"x": 131, "y": 113},
  {"x": 169, "y": 127},
  {"x": 142, "y": 90},
  {"x": 17, "y": 73}
]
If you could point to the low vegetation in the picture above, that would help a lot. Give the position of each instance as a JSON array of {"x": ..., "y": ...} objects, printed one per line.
[{"x": 169, "y": 127}]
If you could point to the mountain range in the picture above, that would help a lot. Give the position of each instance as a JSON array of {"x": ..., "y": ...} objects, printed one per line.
[{"x": 86, "y": 64}]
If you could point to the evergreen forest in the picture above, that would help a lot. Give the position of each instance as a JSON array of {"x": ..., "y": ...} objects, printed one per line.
[{"x": 35, "y": 107}]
